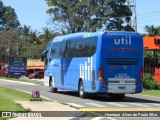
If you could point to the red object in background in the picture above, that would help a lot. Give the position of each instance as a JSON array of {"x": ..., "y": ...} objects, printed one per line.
[
  {"x": 38, "y": 74},
  {"x": 3, "y": 73},
  {"x": 157, "y": 75},
  {"x": 2, "y": 63}
]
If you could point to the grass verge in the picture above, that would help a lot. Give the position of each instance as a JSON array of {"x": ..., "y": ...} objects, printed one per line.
[
  {"x": 152, "y": 92},
  {"x": 8, "y": 96}
]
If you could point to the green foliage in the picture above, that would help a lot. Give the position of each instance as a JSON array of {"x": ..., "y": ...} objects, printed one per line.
[
  {"x": 27, "y": 42},
  {"x": 151, "y": 92},
  {"x": 120, "y": 15},
  {"x": 20, "y": 41},
  {"x": 8, "y": 96},
  {"x": 149, "y": 83},
  {"x": 8, "y": 17},
  {"x": 89, "y": 15},
  {"x": 33, "y": 51},
  {"x": 152, "y": 30},
  {"x": 149, "y": 59},
  {"x": 7, "y": 99},
  {"x": 47, "y": 35}
]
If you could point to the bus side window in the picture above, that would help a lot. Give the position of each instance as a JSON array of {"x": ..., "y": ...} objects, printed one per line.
[
  {"x": 67, "y": 49},
  {"x": 71, "y": 52},
  {"x": 84, "y": 47},
  {"x": 53, "y": 51},
  {"x": 93, "y": 45},
  {"x": 80, "y": 48},
  {"x": 61, "y": 49}
]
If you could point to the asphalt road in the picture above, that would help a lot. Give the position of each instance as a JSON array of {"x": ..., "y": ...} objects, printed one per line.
[{"x": 131, "y": 102}]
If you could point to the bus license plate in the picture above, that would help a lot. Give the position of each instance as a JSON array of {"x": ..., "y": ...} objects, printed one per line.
[{"x": 122, "y": 87}]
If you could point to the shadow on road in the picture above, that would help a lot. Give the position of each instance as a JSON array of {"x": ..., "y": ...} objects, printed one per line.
[{"x": 105, "y": 98}]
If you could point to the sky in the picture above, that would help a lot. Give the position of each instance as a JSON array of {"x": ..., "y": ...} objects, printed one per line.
[
  {"x": 33, "y": 13},
  {"x": 30, "y": 12}
]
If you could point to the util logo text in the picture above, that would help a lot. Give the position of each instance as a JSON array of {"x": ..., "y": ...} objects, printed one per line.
[{"x": 123, "y": 41}]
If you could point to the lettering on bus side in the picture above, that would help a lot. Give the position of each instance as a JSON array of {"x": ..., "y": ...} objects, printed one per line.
[{"x": 123, "y": 41}]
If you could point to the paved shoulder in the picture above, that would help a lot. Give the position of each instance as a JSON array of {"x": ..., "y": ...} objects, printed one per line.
[{"x": 46, "y": 111}]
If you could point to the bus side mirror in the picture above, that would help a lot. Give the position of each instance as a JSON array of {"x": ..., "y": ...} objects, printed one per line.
[
  {"x": 43, "y": 55},
  {"x": 42, "y": 58}
]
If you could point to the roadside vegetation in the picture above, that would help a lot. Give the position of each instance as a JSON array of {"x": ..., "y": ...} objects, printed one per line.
[
  {"x": 149, "y": 83},
  {"x": 150, "y": 86},
  {"x": 151, "y": 92},
  {"x": 7, "y": 100},
  {"x": 8, "y": 96}
]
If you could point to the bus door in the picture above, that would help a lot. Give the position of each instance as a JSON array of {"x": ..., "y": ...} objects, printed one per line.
[{"x": 57, "y": 53}]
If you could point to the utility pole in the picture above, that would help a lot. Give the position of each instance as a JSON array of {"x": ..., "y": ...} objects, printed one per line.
[
  {"x": 132, "y": 5},
  {"x": 17, "y": 44},
  {"x": 8, "y": 50}
]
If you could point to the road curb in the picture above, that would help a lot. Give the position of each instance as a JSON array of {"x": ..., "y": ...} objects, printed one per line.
[{"x": 19, "y": 82}]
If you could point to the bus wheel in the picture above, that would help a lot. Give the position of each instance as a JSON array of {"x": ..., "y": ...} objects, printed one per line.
[
  {"x": 117, "y": 96},
  {"x": 82, "y": 94},
  {"x": 53, "y": 90}
]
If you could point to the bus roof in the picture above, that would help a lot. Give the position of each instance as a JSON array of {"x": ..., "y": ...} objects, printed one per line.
[{"x": 88, "y": 34}]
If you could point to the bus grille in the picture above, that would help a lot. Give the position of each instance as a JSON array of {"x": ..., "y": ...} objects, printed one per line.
[{"x": 122, "y": 61}]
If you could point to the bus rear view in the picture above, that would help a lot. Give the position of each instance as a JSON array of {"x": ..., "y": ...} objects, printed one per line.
[{"x": 121, "y": 64}]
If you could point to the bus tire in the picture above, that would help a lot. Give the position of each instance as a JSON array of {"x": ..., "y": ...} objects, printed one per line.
[
  {"x": 53, "y": 90},
  {"x": 81, "y": 92},
  {"x": 117, "y": 96}
]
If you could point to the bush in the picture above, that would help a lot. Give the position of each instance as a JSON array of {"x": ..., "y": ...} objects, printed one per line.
[
  {"x": 158, "y": 87},
  {"x": 149, "y": 83}
]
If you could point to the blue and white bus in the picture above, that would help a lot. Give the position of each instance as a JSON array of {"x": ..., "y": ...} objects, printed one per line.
[{"x": 109, "y": 62}]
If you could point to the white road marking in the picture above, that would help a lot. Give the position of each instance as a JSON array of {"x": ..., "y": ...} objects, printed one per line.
[
  {"x": 110, "y": 118},
  {"x": 116, "y": 104},
  {"x": 75, "y": 105},
  {"x": 155, "y": 104},
  {"x": 97, "y": 118},
  {"x": 139, "y": 104},
  {"x": 97, "y": 105}
]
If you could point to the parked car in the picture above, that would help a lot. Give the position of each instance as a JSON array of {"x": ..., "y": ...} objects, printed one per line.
[
  {"x": 37, "y": 74},
  {"x": 3, "y": 73}
]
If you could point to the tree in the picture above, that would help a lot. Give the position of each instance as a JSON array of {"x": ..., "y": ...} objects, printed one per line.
[
  {"x": 152, "y": 30},
  {"x": 47, "y": 35},
  {"x": 26, "y": 29},
  {"x": 8, "y": 32},
  {"x": 8, "y": 17},
  {"x": 120, "y": 17},
  {"x": 9, "y": 40},
  {"x": 89, "y": 15}
]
